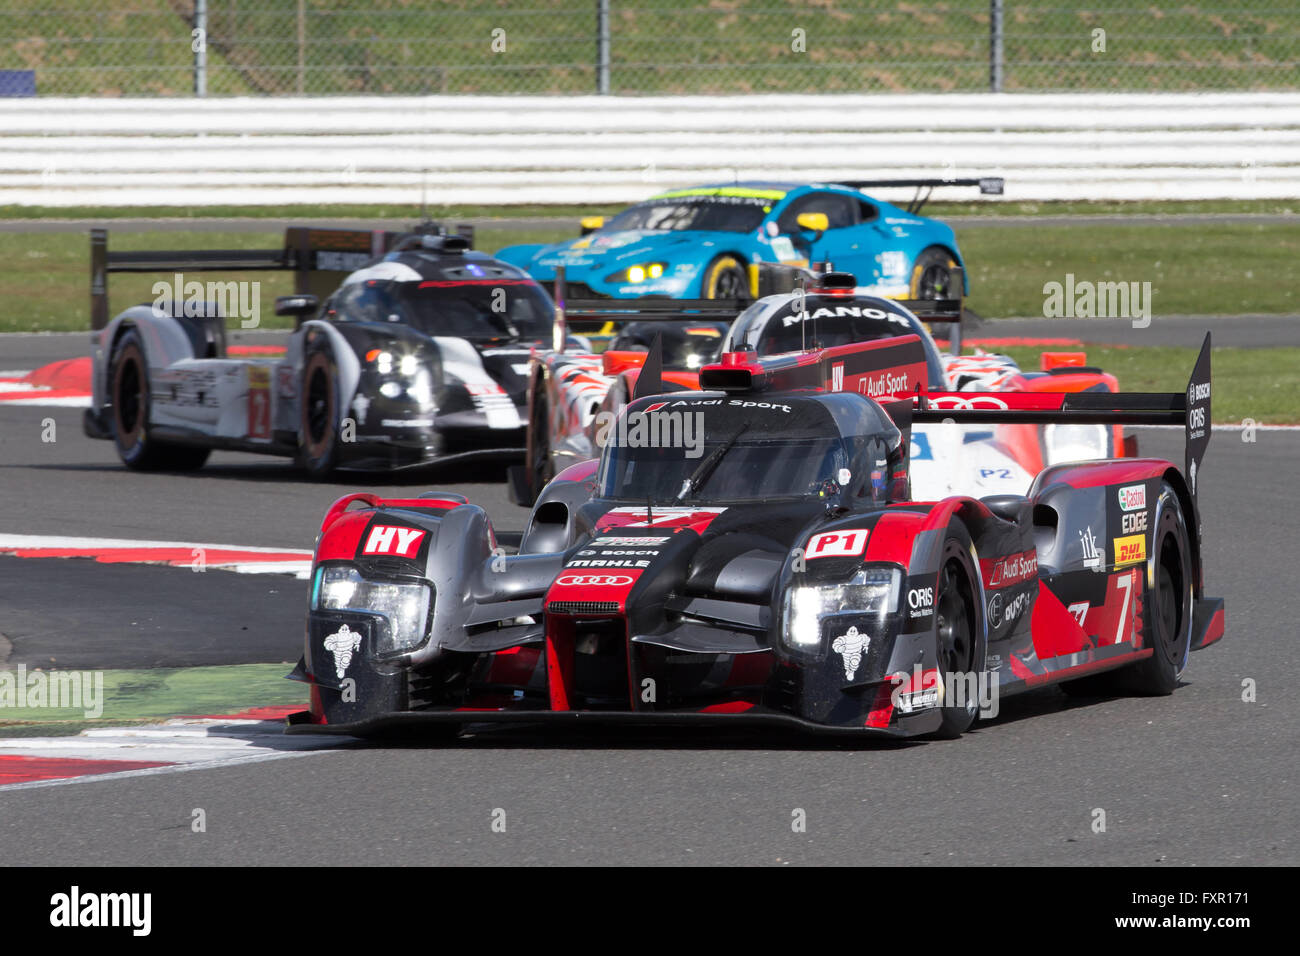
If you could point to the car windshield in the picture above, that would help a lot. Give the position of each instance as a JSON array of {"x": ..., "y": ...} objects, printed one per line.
[
  {"x": 688, "y": 346},
  {"x": 743, "y": 471},
  {"x": 480, "y": 309},
  {"x": 710, "y": 213}
]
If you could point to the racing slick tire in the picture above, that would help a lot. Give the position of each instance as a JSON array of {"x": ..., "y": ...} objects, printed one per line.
[
  {"x": 540, "y": 467},
  {"x": 959, "y": 630},
  {"x": 1167, "y": 620},
  {"x": 932, "y": 274},
  {"x": 725, "y": 278},
  {"x": 318, "y": 429},
  {"x": 129, "y": 384}
]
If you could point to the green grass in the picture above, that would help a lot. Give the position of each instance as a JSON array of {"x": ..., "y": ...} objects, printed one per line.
[
  {"x": 139, "y": 696},
  {"x": 1260, "y": 384},
  {"x": 142, "y": 47},
  {"x": 1215, "y": 269}
]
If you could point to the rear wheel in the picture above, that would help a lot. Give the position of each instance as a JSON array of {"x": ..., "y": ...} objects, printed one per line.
[
  {"x": 958, "y": 629},
  {"x": 318, "y": 436},
  {"x": 131, "y": 397},
  {"x": 932, "y": 275},
  {"x": 726, "y": 278}
]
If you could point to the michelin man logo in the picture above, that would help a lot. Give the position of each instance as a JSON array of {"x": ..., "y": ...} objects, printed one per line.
[
  {"x": 851, "y": 646},
  {"x": 343, "y": 643}
]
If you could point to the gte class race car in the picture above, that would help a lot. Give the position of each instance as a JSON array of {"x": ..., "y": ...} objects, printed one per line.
[
  {"x": 698, "y": 243},
  {"x": 574, "y": 394},
  {"x": 420, "y": 354},
  {"x": 750, "y": 554}
]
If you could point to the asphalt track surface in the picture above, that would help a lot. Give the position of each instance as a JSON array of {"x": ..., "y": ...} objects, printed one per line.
[{"x": 1197, "y": 778}]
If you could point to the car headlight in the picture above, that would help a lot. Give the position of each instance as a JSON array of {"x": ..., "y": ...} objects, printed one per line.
[
  {"x": 1075, "y": 443},
  {"x": 872, "y": 591},
  {"x": 404, "y": 606},
  {"x": 639, "y": 273}
]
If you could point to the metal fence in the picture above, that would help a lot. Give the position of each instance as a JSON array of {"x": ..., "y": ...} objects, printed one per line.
[{"x": 339, "y": 47}]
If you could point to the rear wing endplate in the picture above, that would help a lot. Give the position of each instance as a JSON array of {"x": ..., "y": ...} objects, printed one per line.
[{"x": 988, "y": 186}]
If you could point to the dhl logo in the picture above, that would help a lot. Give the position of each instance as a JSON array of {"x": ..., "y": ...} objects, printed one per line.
[{"x": 1130, "y": 550}]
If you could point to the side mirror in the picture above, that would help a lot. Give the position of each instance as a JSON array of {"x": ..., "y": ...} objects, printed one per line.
[
  {"x": 298, "y": 306},
  {"x": 613, "y": 361},
  {"x": 591, "y": 223},
  {"x": 813, "y": 221}
]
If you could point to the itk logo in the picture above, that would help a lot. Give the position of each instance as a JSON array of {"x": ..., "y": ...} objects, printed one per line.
[{"x": 1092, "y": 556}]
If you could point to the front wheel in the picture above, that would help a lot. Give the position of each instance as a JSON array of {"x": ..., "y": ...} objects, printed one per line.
[
  {"x": 540, "y": 468},
  {"x": 726, "y": 278},
  {"x": 958, "y": 629}
]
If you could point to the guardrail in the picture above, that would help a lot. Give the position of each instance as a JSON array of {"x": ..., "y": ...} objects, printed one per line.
[{"x": 489, "y": 150}]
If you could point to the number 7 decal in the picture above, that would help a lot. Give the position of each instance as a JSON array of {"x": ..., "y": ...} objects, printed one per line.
[{"x": 1125, "y": 583}]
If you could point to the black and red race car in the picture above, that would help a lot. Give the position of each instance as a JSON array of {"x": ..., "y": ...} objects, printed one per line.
[{"x": 750, "y": 554}]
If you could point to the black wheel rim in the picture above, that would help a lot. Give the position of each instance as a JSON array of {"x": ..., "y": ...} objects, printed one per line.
[
  {"x": 1169, "y": 591},
  {"x": 318, "y": 406},
  {"x": 128, "y": 396},
  {"x": 935, "y": 280},
  {"x": 956, "y": 644},
  {"x": 730, "y": 284}
]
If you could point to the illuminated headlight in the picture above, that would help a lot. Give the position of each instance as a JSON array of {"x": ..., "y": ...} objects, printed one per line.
[
  {"x": 384, "y": 363},
  {"x": 639, "y": 273},
  {"x": 390, "y": 389},
  {"x": 1075, "y": 443},
  {"x": 421, "y": 388},
  {"x": 405, "y": 607},
  {"x": 872, "y": 591},
  {"x": 408, "y": 364}
]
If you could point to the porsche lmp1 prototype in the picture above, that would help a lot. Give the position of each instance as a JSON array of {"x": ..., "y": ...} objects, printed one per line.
[
  {"x": 750, "y": 553},
  {"x": 697, "y": 243},
  {"x": 574, "y": 394},
  {"x": 421, "y": 354}
]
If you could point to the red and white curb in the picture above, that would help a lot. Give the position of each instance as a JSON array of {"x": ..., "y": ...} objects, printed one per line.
[
  {"x": 179, "y": 554},
  {"x": 180, "y": 744},
  {"x": 65, "y": 383}
]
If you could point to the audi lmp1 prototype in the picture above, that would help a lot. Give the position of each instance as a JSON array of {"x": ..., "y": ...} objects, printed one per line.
[
  {"x": 573, "y": 394},
  {"x": 421, "y": 354},
  {"x": 698, "y": 242},
  {"x": 750, "y": 553}
]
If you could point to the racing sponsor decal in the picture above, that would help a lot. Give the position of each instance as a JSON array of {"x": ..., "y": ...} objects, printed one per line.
[
  {"x": 1003, "y": 610},
  {"x": 1079, "y": 611},
  {"x": 634, "y": 517},
  {"x": 628, "y": 541},
  {"x": 342, "y": 644},
  {"x": 920, "y": 601},
  {"x": 1133, "y": 497},
  {"x": 259, "y": 402},
  {"x": 618, "y": 552},
  {"x": 843, "y": 312},
  {"x": 1132, "y": 523},
  {"x": 1093, "y": 557},
  {"x": 1130, "y": 550},
  {"x": 852, "y": 647},
  {"x": 844, "y": 543},
  {"x": 393, "y": 539},
  {"x": 595, "y": 580},
  {"x": 967, "y": 404},
  {"x": 1013, "y": 569}
]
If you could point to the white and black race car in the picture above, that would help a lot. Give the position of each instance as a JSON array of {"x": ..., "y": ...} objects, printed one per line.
[{"x": 420, "y": 354}]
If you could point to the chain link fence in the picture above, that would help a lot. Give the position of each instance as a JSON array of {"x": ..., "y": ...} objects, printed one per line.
[{"x": 376, "y": 47}]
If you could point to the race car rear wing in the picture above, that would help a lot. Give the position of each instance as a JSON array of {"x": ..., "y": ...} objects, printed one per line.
[
  {"x": 319, "y": 258},
  {"x": 1190, "y": 408},
  {"x": 988, "y": 186}
]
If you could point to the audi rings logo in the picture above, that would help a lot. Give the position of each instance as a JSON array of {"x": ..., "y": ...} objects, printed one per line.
[
  {"x": 971, "y": 404},
  {"x": 594, "y": 580}
]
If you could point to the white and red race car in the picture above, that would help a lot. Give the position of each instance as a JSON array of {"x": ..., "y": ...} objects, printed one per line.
[{"x": 573, "y": 395}]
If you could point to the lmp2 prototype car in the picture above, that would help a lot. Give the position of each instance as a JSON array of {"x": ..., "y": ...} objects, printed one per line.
[
  {"x": 750, "y": 554},
  {"x": 697, "y": 243},
  {"x": 574, "y": 394},
  {"x": 420, "y": 354}
]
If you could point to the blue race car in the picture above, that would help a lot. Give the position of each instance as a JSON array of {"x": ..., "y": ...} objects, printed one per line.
[{"x": 699, "y": 243}]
